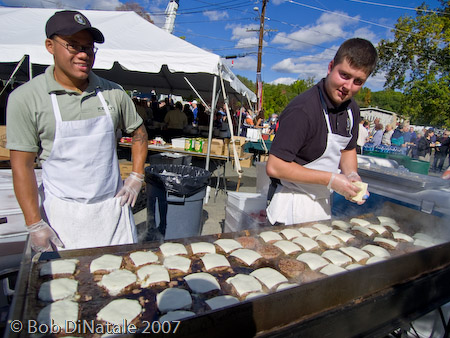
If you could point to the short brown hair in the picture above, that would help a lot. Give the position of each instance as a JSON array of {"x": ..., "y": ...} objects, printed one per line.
[{"x": 359, "y": 53}]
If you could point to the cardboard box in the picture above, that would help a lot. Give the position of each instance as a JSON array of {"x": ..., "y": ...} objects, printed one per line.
[
  {"x": 126, "y": 168},
  {"x": 263, "y": 157},
  {"x": 239, "y": 142},
  {"x": 3, "y": 151},
  {"x": 217, "y": 146},
  {"x": 246, "y": 161}
]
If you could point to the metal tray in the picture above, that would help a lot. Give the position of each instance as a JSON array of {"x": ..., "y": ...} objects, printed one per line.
[{"x": 402, "y": 178}]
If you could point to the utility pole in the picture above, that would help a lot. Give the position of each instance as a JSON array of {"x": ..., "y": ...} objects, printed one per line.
[{"x": 259, "y": 89}]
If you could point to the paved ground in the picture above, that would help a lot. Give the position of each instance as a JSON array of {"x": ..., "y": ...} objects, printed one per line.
[{"x": 213, "y": 216}]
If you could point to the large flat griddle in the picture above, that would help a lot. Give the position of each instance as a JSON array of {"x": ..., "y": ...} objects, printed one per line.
[{"x": 366, "y": 302}]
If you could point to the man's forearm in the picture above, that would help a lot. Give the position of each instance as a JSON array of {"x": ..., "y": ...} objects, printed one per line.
[
  {"x": 349, "y": 162},
  {"x": 25, "y": 185},
  {"x": 139, "y": 149}
]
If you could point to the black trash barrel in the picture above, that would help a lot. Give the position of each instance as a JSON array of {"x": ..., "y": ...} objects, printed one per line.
[{"x": 175, "y": 196}]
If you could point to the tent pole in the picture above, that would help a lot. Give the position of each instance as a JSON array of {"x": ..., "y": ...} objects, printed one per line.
[
  {"x": 230, "y": 126},
  {"x": 196, "y": 93},
  {"x": 12, "y": 75},
  {"x": 211, "y": 120}
]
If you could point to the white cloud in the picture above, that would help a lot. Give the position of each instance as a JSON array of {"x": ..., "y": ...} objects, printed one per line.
[
  {"x": 329, "y": 27},
  {"x": 284, "y": 80},
  {"x": 215, "y": 15},
  {"x": 240, "y": 32},
  {"x": 365, "y": 33}
]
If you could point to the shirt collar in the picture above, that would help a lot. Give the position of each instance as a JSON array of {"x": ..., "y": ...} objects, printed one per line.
[{"x": 55, "y": 87}]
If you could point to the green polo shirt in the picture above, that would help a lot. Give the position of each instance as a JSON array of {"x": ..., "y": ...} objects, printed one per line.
[{"x": 30, "y": 121}]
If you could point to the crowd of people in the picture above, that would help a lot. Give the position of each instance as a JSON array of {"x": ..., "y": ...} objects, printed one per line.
[
  {"x": 424, "y": 144},
  {"x": 168, "y": 119}
]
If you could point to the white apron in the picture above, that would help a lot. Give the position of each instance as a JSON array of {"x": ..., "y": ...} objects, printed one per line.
[
  {"x": 80, "y": 179},
  {"x": 295, "y": 203}
]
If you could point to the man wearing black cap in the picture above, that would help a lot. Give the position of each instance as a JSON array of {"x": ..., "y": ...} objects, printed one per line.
[{"x": 69, "y": 117}]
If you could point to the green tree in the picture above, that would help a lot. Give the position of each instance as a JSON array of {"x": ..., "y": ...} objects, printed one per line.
[
  {"x": 135, "y": 7},
  {"x": 417, "y": 62}
]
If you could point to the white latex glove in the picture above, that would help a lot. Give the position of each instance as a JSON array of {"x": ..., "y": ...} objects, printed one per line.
[
  {"x": 353, "y": 177},
  {"x": 42, "y": 236},
  {"x": 343, "y": 186},
  {"x": 131, "y": 188}
]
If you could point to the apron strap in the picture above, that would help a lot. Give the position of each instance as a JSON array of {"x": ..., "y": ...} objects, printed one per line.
[
  {"x": 57, "y": 112},
  {"x": 325, "y": 110}
]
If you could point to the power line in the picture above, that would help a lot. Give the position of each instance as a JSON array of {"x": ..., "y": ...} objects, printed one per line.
[{"x": 399, "y": 7}]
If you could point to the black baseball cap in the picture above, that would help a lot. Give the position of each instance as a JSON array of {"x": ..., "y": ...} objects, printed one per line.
[{"x": 69, "y": 23}]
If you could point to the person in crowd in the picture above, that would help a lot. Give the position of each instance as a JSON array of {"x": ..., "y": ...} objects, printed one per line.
[
  {"x": 425, "y": 145},
  {"x": 441, "y": 152},
  {"x": 363, "y": 136},
  {"x": 273, "y": 124},
  {"x": 194, "y": 108},
  {"x": 386, "y": 139},
  {"x": 314, "y": 150},
  {"x": 68, "y": 117},
  {"x": 202, "y": 116},
  {"x": 175, "y": 121},
  {"x": 397, "y": 136},
  {"x": 373, "y": 126},
  {"x": 223, "y": 126},
  {"x": 249, "y": 118},
  {"x": 188, "y": 112},
  {"x": 259, "y": 119},
  {"x": 158, "y": 117},
  {"x": 378, "y": 135}
]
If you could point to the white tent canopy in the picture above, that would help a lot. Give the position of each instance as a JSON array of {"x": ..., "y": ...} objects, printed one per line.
[{"x": 136, "y": 54}]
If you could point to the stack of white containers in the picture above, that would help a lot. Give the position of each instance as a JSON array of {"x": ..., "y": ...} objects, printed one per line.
[
  {"x": 245, "y": 210},
  {"x": 12, "y": 223}
]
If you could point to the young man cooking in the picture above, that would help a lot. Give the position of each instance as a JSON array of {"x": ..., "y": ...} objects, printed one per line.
[
  {"x": 317, "y": 136},
  {"x": 68, "y": 117}
]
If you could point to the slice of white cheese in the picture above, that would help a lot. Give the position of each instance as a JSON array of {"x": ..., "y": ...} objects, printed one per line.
[
  {"x": 177, "y": 263},
  {"x": 365, "y": 231},
  {"x": 323, "y": 228},
  {"x": 342, "y": 235},
  {"x": 221, "y": 301},
  {"x": 387, "y": 241},
  {"x": 120, "y": 311},
  {"x": 202, "y": 282},
  {"x": 246, "y": 255},
  {"x": 375, "y": 259},
  {"x": 306, "y": 243},
  {"x": 314, "y": 261},
  {"x": 385, "y": 219},
  {"x": 424, "y": 237},
  {"x": 341, "y": 224},
  {"x": 173, "y": 299},
  {"x": 106, "y": 262},
  {"x": 269, "y": 277},
  {"x": 57, "y": 289},
  {"x": 172, "y": 249},
  {"x": 150, "y": 274},
  {"x": 310, "y": 232},
  {"x": 336, "y": 257},
  {"x": 211, "y": 261},
  {"x": 423, "y": 243},
  {"x": 117, "y": 280},
  {"x": 268, "y": 236},
  {"x": 285, "y": 286},
  {"x": 376, "y": 250},
  {"x": 287, "y": 246},
  {"x": 228, "y": 245},
  {"x": 332, "y": 269},
  {"x": 60, "y": 266},
  {"x": 353, "y": 266},
  {"x": 202, "y": 247},
  {"x": 356, "y": 253},
  {"x": 254, "y": 295},
  {"x": 377, "y": 228},
  {"x": 60, "y": 313},
  {"x": 399, "y": 236},
  {"x": 328, "y": 240},
  {"x": 244, "y": 284},
  {"x": 362, "y": 192},
  {"x": 143, "y": 257},
  {"x": 392, "y": 226},
  {"x": 359, "y": 221},
  {"x": 291, "y": 233}
]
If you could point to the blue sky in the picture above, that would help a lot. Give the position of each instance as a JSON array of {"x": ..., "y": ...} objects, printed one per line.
[{"x": 301, "y": 36}]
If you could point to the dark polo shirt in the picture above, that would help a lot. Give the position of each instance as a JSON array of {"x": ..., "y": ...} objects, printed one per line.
[{"x": 302, "y": 133}]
